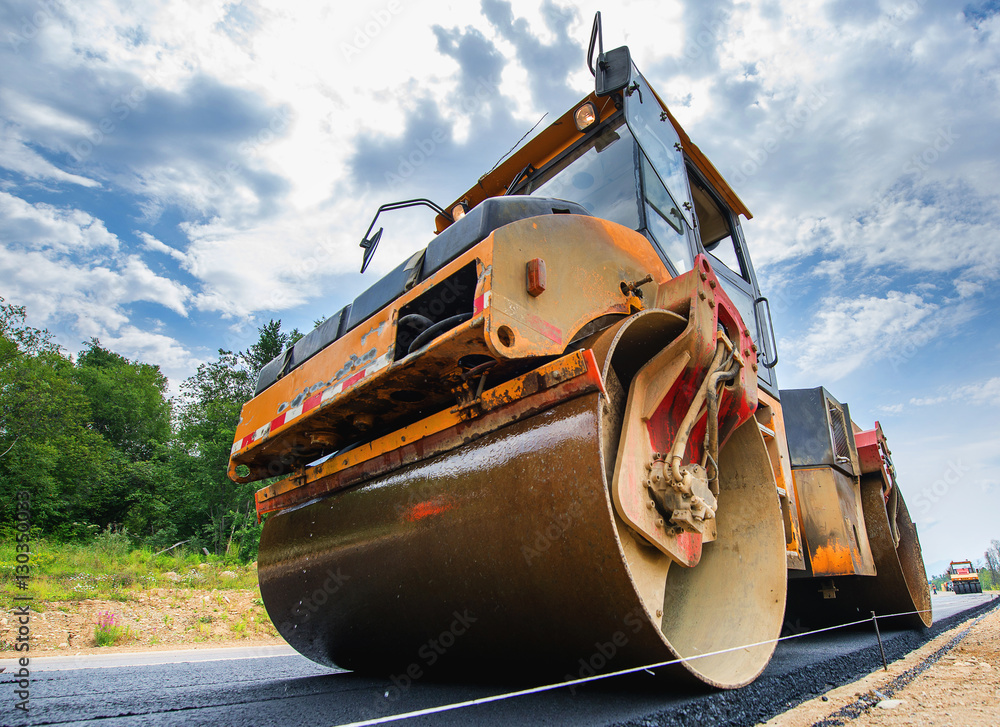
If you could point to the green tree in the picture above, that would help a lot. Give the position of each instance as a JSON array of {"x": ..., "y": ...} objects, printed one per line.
[
  {"x": 992, "y": 569},
  {"x": 215, "y": 509},
  {"x": 128, "y": 404},
  {"x": 46, "y": 444}
]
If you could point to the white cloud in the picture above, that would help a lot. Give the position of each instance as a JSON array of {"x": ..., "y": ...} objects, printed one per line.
[
  {"x": 160, "y": 349},
  {"x": 926, "y": 230},
  {"x": 19, "y": 157},
  {"x": 65, "y": 265},
  {"x": 968, "y": 288},
  {"x": 134, "y": 281},
  {"x": 891, "y": 408},
  {"x": 42, "y": 226},
  {"x": 151, "y": 243},
  {"x": 850, "y": 333},
  {"x": 985, "y": 392},
  {"x": 292, "y": 258}
]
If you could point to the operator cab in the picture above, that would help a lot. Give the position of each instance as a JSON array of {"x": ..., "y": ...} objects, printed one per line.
[{"x": 633, "y": 169}]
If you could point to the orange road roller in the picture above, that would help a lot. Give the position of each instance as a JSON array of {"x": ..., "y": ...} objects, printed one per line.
[{"x": 552, "y": 441}]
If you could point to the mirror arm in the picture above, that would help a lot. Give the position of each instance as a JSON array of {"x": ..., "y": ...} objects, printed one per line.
[
  {"x": 369, "y": 244},
  {"x": 596, "y": 36}
]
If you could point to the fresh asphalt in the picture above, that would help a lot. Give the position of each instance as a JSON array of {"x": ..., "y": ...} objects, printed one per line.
[{"x": 275, "y": 686}]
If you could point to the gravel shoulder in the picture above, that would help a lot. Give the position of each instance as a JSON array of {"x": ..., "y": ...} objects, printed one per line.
[
  {"x": 156, "y": 618},
  {"x": 954, "y": 679}
]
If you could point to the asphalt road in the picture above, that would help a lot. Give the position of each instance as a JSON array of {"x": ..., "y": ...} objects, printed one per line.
[{"x": 272, "y": 686}]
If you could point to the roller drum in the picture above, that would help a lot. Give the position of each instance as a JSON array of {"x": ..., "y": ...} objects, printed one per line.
[{"x": 505, "y": 555}]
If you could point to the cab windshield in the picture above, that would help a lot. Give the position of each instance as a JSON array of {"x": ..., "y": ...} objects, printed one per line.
[
  {"x": 600, "y": 176},
  {"x": 603, "y": 176}
]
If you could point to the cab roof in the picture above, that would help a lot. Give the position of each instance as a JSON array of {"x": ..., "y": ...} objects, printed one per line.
[{"x": 559, "y": 136}]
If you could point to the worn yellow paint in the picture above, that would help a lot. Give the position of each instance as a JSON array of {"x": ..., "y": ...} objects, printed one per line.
[
  {"x": 833, "y": 559},
  {"x": 560, "y": 370}
]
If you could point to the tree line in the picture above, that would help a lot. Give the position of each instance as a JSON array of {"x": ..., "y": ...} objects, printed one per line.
[{"x": 100, "y": 446}]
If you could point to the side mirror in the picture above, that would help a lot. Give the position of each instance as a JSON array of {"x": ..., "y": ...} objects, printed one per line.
[{"x": 613, "y": 70}]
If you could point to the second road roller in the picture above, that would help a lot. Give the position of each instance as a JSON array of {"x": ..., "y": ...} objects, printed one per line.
[{"x": 556, "y": 434}]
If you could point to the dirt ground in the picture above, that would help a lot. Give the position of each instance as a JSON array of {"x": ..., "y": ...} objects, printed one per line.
[
  {"x": 961, "y": 688},
  {"x": 158, "y": 618}
]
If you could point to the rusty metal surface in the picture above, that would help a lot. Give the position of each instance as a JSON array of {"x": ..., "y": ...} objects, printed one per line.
[
  {"x": 313, "y": 410},
  {"x": 513, "y": 532},
  {"x": 670, "y": 384},
  {"x": 772, "y": 424},
  {"x": 359, "y": 388},
  {"x": 900, "y": 586},
  {"x": 574, "y": 294},
  {"x": 509, "y": 544},
  {"x": 833, "y": 523},
  {"x": 524, "y": 396},
  {"x": 506, "y": 545}
]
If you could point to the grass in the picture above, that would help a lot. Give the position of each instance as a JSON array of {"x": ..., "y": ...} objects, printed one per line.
[{"x": 108, "y": 568}]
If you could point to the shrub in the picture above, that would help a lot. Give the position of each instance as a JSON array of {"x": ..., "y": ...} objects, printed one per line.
[
  {"x": 113, "y": 544},
  {"x": 109, "y": 632}
]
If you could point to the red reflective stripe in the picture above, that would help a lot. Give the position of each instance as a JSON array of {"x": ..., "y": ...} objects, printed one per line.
[
  {"x": 545, "y": 328},
  {"x": 353, "y": 380},
  {"x": 247, "y": 440},
  {"x": 479, "y": 303},
  {"x": 277, "y": 421},
  {"x": 312, "y": 402}
]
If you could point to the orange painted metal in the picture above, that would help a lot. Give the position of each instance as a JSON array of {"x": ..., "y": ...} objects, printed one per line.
[
  {"x": 834, "y": 528},
  {"x": 574, "y": 294},
  {"x": 543, "y": 148},
  {"x": 771, "y": 418},
  {"x": 526, "y": 395},
  {"x": 832, "y": 559},
  {"x": 359, "y": 387},
  {"x": 354, "y": 374}
]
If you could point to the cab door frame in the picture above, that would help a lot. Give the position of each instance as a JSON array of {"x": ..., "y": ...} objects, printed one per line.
[{"x": 742, "y": 286}]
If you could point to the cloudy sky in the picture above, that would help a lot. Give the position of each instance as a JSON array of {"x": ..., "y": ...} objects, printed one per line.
[{"x": 173, "y": 174}]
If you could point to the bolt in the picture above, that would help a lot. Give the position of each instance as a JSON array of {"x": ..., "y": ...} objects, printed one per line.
[
  {"x": 650, "y": 505},
  {"x": 659, "y": 522},
  {"x": 703, "y": 274},
  {"x": 659, "y": 613},
  {"x": 701, "y": 294},
  {"x": 712, "y": 284}
]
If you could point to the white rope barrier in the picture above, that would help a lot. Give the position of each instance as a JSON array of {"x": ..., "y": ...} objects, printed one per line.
[{"x": 607, "y": 675}]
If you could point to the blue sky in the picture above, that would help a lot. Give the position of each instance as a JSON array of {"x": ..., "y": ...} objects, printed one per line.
[{"x": 173, "y": 174}]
